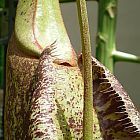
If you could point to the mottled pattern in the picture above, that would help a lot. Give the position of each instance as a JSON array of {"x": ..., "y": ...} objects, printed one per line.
[
  {"x": 118, "y": 117},
  {"x": 19, "y": 76},
  {"x": 55, "y": 109},
  {"x": 48, "y": 104},
  {"x": 57, "y": 102},
  {"x": 45, "y": 100}
]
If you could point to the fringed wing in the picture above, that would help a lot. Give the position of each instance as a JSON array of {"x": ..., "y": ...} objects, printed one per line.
[{"x": 118, "y": 117}]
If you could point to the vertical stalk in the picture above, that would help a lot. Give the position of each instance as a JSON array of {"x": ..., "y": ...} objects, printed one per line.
[
  {"x": 106, "y": 32},
  {"x": 86, "y": 51}
]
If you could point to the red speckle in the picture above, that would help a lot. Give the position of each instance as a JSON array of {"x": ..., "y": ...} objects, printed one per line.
[{"x": 39, "y": 134}]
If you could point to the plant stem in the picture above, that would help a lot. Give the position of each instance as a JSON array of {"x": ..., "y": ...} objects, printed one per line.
[
  {"x": 121, "y": 56},
  {"x": 106, "y": 32},
  {"x": 86, "y": 51}
]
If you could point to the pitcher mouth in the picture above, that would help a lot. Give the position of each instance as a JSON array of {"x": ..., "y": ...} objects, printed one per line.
[{"x": 61, "y": 55}]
